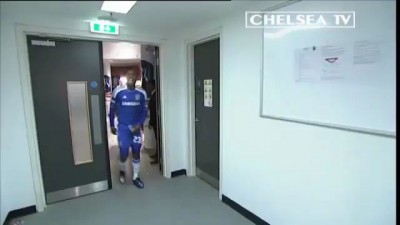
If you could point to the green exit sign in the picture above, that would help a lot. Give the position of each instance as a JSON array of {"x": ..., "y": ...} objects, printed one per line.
[{"x": 104, "y": 28}]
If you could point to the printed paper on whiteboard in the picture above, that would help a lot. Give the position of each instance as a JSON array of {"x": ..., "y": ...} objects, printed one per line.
[
  {"x": 321, "y": 63},
  {"x": 333, "y": 60},
  {"x": 208, "y": 93},
  {"x": 366, "y": 52},
  {"x": 308, "y": 64}
]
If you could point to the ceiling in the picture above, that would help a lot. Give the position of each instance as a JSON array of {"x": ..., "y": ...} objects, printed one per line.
[
  {"x": 120, "y": 51},
  {"x": 123, "y": 62},
  {"x": 160, "y": 16}
]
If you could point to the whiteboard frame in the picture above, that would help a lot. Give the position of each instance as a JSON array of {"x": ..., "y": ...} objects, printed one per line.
[{"x": 374, "y": 132}]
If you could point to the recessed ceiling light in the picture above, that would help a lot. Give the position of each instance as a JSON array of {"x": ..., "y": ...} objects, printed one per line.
[{"x": 118, "y": 6}]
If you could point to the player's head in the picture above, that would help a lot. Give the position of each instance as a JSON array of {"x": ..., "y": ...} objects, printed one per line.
[{"x": 131, "y": 77}]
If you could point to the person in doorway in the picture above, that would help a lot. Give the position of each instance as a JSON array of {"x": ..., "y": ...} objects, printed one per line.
[
  {"x": 153, "y": 117},
  {"x": 132, "y": 112},
  {"x": 138, "y": 86},
  {"x": 121, "y": 83},
  {"x": 107, "y": 84}
]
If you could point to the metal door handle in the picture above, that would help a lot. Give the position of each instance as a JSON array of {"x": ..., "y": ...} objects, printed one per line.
[{"x": 196, "y": 120}]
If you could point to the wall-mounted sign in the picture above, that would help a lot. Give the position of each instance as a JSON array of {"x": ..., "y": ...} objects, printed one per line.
[
  {"x": 208, "y": 93},
  {"x": 93, "y": 84},
  {"x": 104, "y": 28}
]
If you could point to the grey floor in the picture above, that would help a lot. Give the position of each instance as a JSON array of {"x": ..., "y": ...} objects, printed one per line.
[{"x": 177, "y": 201}]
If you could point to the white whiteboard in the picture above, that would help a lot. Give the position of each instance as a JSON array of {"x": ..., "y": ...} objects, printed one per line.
[{"x": 363, "y": 95}]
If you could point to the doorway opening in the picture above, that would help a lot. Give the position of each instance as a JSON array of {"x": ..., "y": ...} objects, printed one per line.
[{"x": 118, "y": 59}]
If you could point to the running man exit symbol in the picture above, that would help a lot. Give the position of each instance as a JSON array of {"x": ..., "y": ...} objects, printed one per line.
[{"x": 97, "y": 27}]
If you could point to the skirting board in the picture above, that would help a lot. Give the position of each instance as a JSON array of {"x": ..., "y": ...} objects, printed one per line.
[
  {"x": 178, "y": 173},
  {"x": 244, "y": 212},
  {"x": 19, "y": 213}
]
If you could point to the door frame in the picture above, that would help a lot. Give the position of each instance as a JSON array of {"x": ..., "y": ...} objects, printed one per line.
[
  {"x": 21, "y": 32},
  {"x": 190, "y": 43}
]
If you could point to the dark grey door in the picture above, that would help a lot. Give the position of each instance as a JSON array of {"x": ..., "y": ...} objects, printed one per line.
[
  {"x": 158, "y": 109},
  {"x": 69, "y": 103},
  {"x": 206, "y": 72}
]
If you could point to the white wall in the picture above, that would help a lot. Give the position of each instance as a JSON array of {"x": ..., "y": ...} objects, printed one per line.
[
  {"x": 288, "y": 173},
  {"x": 174, "y": 84},
  {"x": 17, "y": 189},
  {"x": 16, "y": 176}
]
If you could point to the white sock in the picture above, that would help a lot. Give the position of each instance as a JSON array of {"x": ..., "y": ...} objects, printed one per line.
[
  {"x": 121, "y": 166},
  {"x": 136, "y": 168}
]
